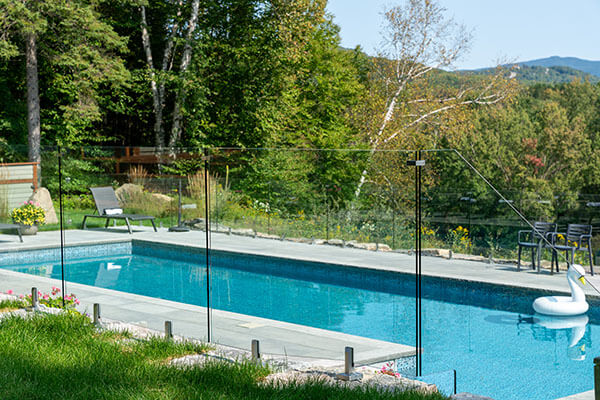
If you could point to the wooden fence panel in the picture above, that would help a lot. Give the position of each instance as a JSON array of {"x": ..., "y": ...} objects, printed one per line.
[{"x": 17, "y": 183}]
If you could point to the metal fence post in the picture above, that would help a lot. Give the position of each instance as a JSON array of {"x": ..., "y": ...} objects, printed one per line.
[
  {"x": 96, "y": 314},
  {"x": 168, "y": 330},
  {"x": 597, "y": 378},
  {"x": 255, "y": 349},
  {"x": 35, "y": 302}
]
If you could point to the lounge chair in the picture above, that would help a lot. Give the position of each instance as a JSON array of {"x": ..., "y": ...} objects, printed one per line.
[
  {"x": 108, "y": 207},
  {"x": 16, "y": 227},
  {"x": 535, "y": 239}
]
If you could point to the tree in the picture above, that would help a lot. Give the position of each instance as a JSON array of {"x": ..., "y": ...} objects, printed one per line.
[
  {"x": 76, "y": 52},
  {"x": 420, "y": 40}
]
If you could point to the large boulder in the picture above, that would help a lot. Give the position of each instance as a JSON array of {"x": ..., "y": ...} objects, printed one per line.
[
  {"x": 42, "y": 197},
  {"x": 162, "y": 200},
  {"x": 127, "y": 192}
]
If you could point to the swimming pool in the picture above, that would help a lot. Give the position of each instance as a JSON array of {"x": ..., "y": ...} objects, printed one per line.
[{"x": 486, "y": 332}]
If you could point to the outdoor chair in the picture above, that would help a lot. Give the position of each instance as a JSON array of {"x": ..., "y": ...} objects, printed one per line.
[
  {"x": 108, "y": 207},
  {"x": 16, "y": 227},
  {"x": 575, "y": 238},
  {"x": 535, "y": 240}
]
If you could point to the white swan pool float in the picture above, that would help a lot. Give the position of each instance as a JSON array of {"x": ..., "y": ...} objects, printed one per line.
[{"x": 564, "y": 306}]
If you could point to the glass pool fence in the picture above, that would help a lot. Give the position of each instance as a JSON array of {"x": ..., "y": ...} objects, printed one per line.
[{"x": 256, "y": 243}]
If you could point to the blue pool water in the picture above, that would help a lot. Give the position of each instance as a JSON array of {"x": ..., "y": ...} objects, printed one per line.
[{"x": 486, "y": 332}]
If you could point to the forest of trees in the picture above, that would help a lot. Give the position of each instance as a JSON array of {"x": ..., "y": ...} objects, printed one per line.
[{"x": 272, "y": 74}]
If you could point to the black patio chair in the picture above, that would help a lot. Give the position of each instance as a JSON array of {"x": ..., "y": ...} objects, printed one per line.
[
  {"x": 16, "y": 227},
  {"x": 576, "y": 236},
  {"x": 535, "y": 240},
  {"x": 108, "y": 207}
]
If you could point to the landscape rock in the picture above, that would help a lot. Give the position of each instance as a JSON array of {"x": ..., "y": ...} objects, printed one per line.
[
  {"x": 364, "y": 246},
  {"x": 469, "y": 396},
  {"x": 383, "y": 247},
  {"x": 243, "y": 232},
  {"x": 127, "y": 192},
  {"x": 336, "y": 242},
  {"x": 42, "y": 197},
  {"x": 162, "y": 200},
  {"x": 445, "y": 253},
  {"x": 267, "y": 236}
]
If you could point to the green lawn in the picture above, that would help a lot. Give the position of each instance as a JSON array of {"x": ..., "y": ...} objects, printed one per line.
[{"x": 64, "y": 356}]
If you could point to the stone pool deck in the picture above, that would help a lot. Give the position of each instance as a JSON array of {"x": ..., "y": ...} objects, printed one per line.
[{"x": 237, "y": 330}]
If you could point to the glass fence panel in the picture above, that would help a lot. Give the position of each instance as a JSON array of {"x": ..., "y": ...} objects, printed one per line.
[
  {"x": 488, "y": 265},
  {"x": 309, "y": 252},
  {"x": 29, "y": 226},
  {"x": 295, "y": 239}
]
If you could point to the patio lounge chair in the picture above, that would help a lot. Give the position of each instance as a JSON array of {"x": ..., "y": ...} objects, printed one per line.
[
  {"x": 16, "y": 227},
  {"x": 576, "y": 237},
  {"x": 108, "y": 207},
  {"x": 534, "y": 240}
]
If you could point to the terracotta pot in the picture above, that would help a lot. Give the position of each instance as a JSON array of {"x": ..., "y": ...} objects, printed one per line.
[{"x": 29, "y": 229}]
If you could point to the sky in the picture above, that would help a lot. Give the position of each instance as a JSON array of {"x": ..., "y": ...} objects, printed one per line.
[{"x": 507, "y": 30}]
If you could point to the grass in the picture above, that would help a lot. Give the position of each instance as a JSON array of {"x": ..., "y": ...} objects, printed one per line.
[{"x": 50, "y": 356}]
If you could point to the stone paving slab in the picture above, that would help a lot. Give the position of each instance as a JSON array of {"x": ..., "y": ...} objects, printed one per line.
[
  {"x": 580, "y": 396},
  {"x": 236, "y": 330},
  {"x": 500, "y": 274}
]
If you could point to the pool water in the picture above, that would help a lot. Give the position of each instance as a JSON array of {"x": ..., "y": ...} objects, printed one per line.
[{"x": 487, "y": 333}]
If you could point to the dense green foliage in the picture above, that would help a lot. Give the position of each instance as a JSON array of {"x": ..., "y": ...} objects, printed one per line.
[
  {"x": 270, "y": 74},
  {"x": 49, "y": 354}
]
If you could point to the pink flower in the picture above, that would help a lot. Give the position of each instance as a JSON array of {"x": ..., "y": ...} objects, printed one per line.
[
  {"x": 77, "y": 301},
  {"x": 21, "y": 296},
  {"x": 10, "y": 291},
  {"x": 68, "y": 298},
  {"x": 45, "y": 297}
]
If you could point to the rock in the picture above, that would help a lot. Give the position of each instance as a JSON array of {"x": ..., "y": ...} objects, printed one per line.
[
  {"x": 267, "y": 236},
  {"x": 383, "y": 247},
  {"x": 364, "y": 246},
  {"x": 469, "y": 396},
  {"x": 42, "y": 197},
  {"x": 127, "y": 192},
  {"x": 436, "y": 253},
  {"x": 243, "y": 232},
  {"x": 162, "y": 200},
  {"x": 299, "y": 240},
  {"x": 318, "y": 241},
  {"x": 336, "y": 242}
]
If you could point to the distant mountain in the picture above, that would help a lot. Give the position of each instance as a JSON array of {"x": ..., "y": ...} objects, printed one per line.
[
  {"x": 550, "y": 70},
  {"x": 590, "y": 67}
]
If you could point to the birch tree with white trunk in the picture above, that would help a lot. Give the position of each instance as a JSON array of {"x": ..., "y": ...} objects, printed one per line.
[
  {"x": 158, "y": 77},
  {"x": 418, "y": 39}
]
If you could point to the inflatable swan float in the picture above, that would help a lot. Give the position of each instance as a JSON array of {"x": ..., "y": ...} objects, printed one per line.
[{"x": 564, "y": 306}]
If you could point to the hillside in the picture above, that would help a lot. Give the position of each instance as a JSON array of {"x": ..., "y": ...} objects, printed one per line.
[
  {"x": 528, "y": 73},
  {"x": 587, "y": 66}
]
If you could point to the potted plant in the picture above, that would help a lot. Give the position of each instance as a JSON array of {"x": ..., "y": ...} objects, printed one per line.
[{"x": 29, "y": 215}]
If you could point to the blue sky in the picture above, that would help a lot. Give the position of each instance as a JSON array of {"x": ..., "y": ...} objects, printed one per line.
[{"x": 516, "y": 30}]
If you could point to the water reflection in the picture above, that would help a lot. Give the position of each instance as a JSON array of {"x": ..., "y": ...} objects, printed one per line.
[
  {"x": 545, "y": 327},
  {"x": 577, "y": 326}
]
